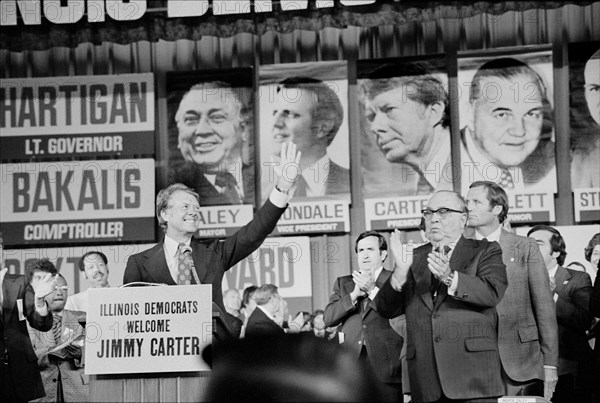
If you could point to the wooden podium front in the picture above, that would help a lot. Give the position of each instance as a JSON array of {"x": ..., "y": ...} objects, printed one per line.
[{"x": 168, "y": 387}]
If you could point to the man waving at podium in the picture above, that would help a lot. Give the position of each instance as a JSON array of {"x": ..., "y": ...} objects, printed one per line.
[{"x": 181, "y": 259}]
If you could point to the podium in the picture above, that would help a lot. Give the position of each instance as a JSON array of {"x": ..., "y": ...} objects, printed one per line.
[{"x": 148, "y": 346}]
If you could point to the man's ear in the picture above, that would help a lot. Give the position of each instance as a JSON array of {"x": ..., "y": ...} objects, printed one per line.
[
  {"x": 384, "y": 255},
  {"x": 323, "y": 128},
  {"x": 436, "y": 112},
  {"x": 163, "y": 214},
  {"x": 497, "y": 210},
  {"x": 470, "y": 114}
]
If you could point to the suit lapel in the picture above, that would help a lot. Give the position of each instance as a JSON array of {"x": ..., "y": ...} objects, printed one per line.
[
  {"x": 422, "y": 276},
  {"x": 9, "y": 295},
  {"x": 197, "y": 257},
  {"x": 157, "y": 267},
  {"x": 561, "y": 278}
]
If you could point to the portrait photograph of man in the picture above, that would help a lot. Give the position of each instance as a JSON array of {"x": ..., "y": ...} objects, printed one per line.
[
  {"x": 306, "y": 103},
  {"x": 505, "y": 115},
  {"x": 211, "y": 137},
  {"x": 405, "y": 126},
  {"x": 584, "y": 110}
]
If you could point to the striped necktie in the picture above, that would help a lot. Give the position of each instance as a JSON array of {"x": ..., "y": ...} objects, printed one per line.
[{"x": 57, "y": 328}]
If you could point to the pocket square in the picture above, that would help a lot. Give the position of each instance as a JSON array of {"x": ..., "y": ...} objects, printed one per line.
[
  {"x": 565, "y": 282},
  {"x": 512, "y": 259}
]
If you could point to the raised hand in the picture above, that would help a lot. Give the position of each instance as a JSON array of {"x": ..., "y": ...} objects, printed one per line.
[
  {"x": 438, "y": 264},
  {"x": 403, "y": 259},
  {"x": 289, "y": 166}
]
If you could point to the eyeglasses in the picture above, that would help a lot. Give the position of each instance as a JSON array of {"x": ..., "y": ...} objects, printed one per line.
[{"x": 441, "y": 212}]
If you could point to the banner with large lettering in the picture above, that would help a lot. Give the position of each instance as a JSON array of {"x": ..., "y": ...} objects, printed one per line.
[
  {"x": 148, "y": 329},
  {"x": 81, "y": 116},
  {"x": 307, "y": 103},
  {"x": 507, "y": 129},
  {"x": 67, "y": 259},
  {"x": 404, "y": 113},
  {"x": 77, "y": 202},
  {"x": 284, "y": 262},
  {"x": 584, "y": 114}
]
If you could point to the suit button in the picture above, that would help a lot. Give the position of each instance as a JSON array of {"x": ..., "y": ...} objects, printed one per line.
[
  {"x": 364, "y": 326},
  {"x": 54, "y": 380},
  {"x": 437, "y": 339}
]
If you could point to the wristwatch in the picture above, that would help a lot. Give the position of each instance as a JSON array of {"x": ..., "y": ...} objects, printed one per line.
[{"x": 449, "y": 278}]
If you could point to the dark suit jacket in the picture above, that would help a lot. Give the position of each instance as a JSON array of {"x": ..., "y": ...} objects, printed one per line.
[
  {"x": 527, "y": 329},
  {"x": 574, "y": 291},
  {"x": 14, "y": 336},
  {"x": 212, "y": 258},
  {"x": 259, "y": 324},
  {"x": 192, "y": 175},
  {"x": 595, "y": 310},
  {"x": 452, "y": 344},
  {"x": 337, "y": 182},
  {"x": 361, "y": 325}
]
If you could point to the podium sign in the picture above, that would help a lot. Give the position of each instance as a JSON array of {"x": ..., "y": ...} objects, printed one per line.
[{"x": 148, "y": 329}]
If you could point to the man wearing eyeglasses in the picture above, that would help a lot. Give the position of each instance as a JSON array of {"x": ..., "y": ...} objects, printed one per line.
[
  {"x": 528, "y": 332},
  {"x": 61, "y": 369},
  {"x": 448, "y": 289},
  {"x": 181, "y": 260}
]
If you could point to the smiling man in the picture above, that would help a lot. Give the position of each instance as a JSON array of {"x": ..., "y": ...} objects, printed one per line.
[
  {"x": 507, "y": 138},
  {"x": 364, "y": 330},
  {"x": 309, "y": 113},
  {"x": 182, "y": 260},
  {"x": 94, "y": 267},
  {"x": 212, "y": 122}
]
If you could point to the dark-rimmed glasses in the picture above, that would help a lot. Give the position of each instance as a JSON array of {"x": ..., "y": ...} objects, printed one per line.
[{"x": 441, "y": 212}]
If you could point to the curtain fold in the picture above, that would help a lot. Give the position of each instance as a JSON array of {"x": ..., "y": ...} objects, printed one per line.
[{"x": 156, "y": 25}]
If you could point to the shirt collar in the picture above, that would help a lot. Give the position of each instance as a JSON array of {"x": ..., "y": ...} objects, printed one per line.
[
  {"x": 234, "y": 169},
  {"x": 171, "y": 246},
  {"x": 2, "y": 274},
  {"x": 493, "y": 236},
  {"x": 482, "y": 161},
  {"x": 552, "y": 271}
]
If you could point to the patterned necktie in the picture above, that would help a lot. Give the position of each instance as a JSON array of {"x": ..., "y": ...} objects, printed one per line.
[
  {"x": 506, "y": 180},
  {"x": 227, "y": 183},
  {"x": 185, "y": 263},
  {"x": 57, "y": 329}
]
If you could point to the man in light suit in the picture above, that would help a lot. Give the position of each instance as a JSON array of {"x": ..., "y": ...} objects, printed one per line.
[
  {"x": 62, "y": 371},
  {"x": 309, "y": 113},
  {"x": 572, "y": 291},
  {"x": 213, "y": 125},
  {"x": 527, "y": 330},
  {"x": 263, "y": 321},
  {"x": 177, "y": 210},
  {"x": 365, "y": 331},
  {"x": 448, "y": 289},
  {"x": 21, "y": 302}
]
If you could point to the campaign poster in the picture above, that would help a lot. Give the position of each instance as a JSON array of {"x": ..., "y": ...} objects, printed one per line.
[
  {"x": 404, "y": 112},
  {"x": 281, "y": 261},
  {"x": 99, "y": 201},
  {"x": 211, "y": 144},
  {"x": 507, "y": 129},
  {"x": 307, "y": 103},
  {"x": 76, "y": 117},
  {"x": 584, "y": 114},
  {"x": 66, "y": 260}
]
